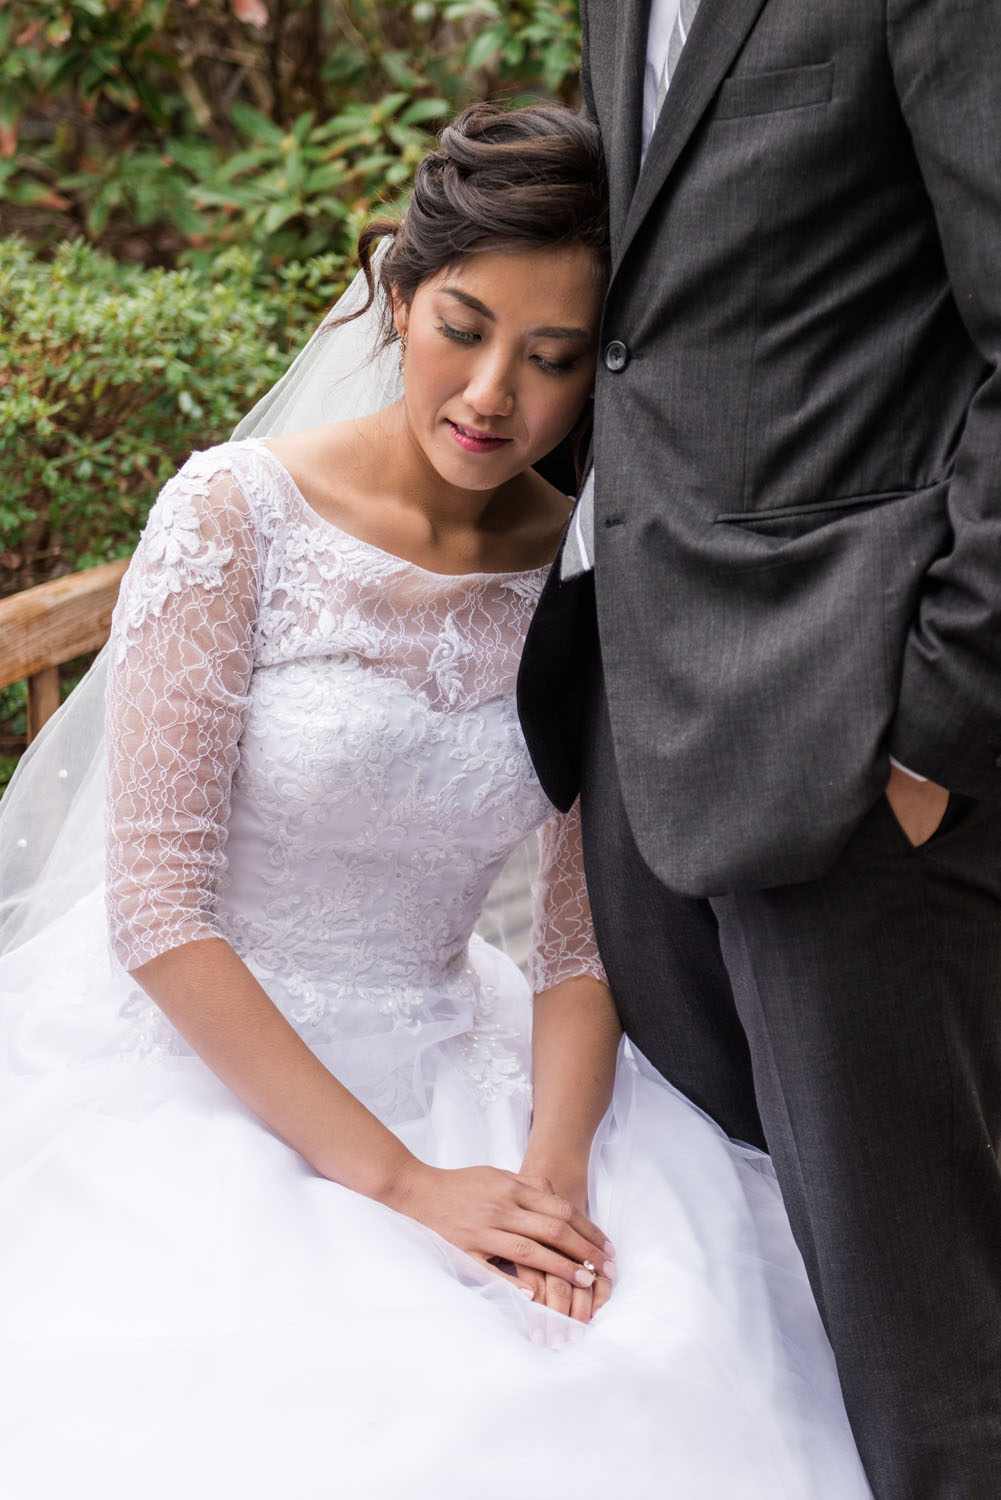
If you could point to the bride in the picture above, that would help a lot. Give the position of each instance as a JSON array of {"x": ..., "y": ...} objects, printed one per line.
[{"x": 279, "y": 1212}]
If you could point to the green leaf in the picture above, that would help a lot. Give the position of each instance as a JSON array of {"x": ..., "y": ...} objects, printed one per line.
[
  {"x": 253, "y": 123},
  {"x": 425, "y": 109},
  {"x": 485, "y": 48},
  {"x": 277, "y": 215},
  {"x": 301, "y": 128},
  {"x": 387, "y": 107},
  {"x": 323, "y": 179}
]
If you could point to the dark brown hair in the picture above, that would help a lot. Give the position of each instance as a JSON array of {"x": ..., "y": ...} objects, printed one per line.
[{"x": 501, "y": 179}]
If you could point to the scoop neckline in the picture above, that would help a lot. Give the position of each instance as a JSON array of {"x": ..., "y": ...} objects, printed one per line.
[{"x": 406, "y": 562}]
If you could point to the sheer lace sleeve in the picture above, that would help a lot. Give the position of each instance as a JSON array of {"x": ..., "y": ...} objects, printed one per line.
[
  {"x": 563, "y": 942},
  {"x": 181, "y": 658}
]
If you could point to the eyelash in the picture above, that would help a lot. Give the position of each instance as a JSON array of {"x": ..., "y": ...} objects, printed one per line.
[
  {"x": 457, "y": 335},
  {"x": 462, "y": 336}
]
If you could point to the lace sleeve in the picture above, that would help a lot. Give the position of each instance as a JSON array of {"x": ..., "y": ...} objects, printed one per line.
[
  {"x": 180, "y": 664},
  {"x": 563, "y": 942}
]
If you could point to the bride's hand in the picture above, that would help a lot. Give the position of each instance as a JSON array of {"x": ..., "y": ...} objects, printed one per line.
[
  {"x": 556, "y": 1292},
  {"x": 503, "y": 1216}
]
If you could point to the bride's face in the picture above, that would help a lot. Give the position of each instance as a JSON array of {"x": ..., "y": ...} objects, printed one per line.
[{"x": 500, "y": 360}]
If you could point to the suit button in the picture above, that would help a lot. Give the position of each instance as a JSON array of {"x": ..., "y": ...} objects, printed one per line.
[{"x": 616, "y": 356}]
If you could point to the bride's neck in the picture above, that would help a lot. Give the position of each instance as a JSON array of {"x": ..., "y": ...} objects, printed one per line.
[
  {"x": 401, "y": 470},
  {"x": 371, "y": 478}
]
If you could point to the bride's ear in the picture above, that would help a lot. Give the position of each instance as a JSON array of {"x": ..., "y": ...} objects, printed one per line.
[{"x": 401, "y": 314}]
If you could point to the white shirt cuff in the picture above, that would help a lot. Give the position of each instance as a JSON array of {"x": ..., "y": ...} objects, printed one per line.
[{"x": 907, "y": 770}]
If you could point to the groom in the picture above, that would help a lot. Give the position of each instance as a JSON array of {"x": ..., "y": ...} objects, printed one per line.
[{"x": 770, "y": 654}]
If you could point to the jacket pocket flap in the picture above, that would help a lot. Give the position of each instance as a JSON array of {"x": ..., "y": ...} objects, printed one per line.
[{"x": 767, "y": 93}]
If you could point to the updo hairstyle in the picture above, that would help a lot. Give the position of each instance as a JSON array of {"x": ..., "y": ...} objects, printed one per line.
[{"x": 501, "y": 179}]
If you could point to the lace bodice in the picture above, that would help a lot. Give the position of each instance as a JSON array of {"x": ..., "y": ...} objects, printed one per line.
[{"x": 314, "y": 753}]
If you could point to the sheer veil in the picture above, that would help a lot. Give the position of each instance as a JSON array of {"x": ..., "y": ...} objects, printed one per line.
[{"x": 52, "y": 814}]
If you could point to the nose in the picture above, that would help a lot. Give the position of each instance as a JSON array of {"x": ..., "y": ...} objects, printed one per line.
[{"x": 490, "y": 390}]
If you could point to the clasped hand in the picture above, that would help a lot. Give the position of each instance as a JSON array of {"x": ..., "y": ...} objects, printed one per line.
[{"x": 511, "y": 1219}]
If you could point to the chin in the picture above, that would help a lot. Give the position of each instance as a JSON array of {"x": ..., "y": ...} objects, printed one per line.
[{"x": 478, "y": 475}]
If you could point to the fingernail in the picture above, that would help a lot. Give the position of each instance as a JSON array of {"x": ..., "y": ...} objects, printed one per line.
[
  {"x": 609, "y": 1248},
  {"x": 526, "y": 1291},
  {"x": 583, "y": 1278},
  {"x": 610, "y": 1270}
]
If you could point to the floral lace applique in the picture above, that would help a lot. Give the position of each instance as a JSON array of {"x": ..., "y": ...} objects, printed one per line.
[
  {"x": 447, "y": 659},
  {"x": 179, "y": 556}
]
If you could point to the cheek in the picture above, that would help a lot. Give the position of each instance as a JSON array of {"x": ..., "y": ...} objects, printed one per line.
[
  {"x": 558, "y": 411},
  {"x": 433, "y": 373}
]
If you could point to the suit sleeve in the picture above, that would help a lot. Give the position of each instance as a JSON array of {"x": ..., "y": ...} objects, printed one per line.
[{"x": 946, "y": 58}]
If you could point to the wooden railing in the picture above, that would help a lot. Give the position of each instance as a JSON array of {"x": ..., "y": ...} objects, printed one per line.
[{"x": 44, "y": 626}]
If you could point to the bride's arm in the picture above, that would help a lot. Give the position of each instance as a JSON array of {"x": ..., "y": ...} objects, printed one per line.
[
  {"x": 180, "y": 668},
  {"x": 575, "y": 1039},
  {"x": 218, "y": 1006}
]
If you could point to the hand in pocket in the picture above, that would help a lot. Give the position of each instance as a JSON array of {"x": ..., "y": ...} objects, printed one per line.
[{"x": 918, "y": 806}]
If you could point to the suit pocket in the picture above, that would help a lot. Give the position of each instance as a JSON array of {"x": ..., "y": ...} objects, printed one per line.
[
  {"x": 795, "y": 520},
  {"x": 769, "y": 93},
  {"x": 958, "y": 811}
]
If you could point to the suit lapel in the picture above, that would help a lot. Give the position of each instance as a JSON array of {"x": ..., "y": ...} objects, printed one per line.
[
  {"x": 631, "y": 23},
  {"x": 718, "y": 31}
]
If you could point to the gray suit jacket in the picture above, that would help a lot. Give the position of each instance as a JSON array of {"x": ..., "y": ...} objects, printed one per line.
[{"x": 797, "y": 432}]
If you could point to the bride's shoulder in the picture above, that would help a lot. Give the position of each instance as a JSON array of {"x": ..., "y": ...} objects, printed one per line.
[
  {"x": 225, "y": 462},
  {"x": 230, "y": 479}
]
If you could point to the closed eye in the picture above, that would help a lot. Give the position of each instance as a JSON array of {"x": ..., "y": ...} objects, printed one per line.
[
  {"x": 469, "y": 336},
  {"x": 457, "y": 335},
  {"x": 556, "y": 366}
]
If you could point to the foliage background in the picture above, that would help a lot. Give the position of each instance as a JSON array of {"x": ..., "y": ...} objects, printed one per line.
[{"x": 181, "y": 186}]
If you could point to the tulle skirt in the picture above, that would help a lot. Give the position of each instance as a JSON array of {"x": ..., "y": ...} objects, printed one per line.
[{"x": 187, "y": 1309}]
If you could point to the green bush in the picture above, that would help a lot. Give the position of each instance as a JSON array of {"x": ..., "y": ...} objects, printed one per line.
[
  {"x": 111, "y": 374},
  {"x": 161, "y": 129}
]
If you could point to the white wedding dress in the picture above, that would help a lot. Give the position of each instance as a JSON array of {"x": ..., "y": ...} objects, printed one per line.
[{"x": 315, "y": 753}]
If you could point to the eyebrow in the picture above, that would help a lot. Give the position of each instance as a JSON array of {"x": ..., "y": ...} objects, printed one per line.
[{"x": 579, "y": 335}]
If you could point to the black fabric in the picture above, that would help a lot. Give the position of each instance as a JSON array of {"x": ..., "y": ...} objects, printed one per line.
[{"x": 554, "y": 682}]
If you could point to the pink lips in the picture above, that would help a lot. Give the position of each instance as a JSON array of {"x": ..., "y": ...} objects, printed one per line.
[{"x": 473, "y": 442}]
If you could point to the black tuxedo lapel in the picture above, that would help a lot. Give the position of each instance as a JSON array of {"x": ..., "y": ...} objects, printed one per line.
[{"x": 718, "y": 31}]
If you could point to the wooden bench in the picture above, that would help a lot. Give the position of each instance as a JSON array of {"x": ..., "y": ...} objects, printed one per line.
[{"x": 44, "y": 626}]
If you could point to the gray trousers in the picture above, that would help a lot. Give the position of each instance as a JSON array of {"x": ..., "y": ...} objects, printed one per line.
[{"x": 852, "y": 1025}]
